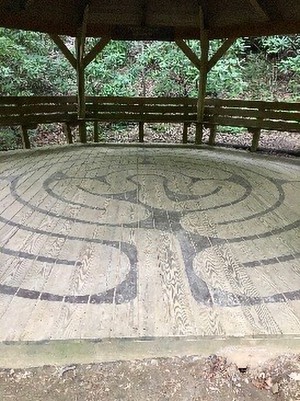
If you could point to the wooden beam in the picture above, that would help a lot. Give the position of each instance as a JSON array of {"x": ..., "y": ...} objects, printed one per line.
[
  {"x": 260, "y": 9},
  {"x": 189, "y": 53},
  {"x": 63, "y": 48},
  {"x": 219, "y": 53},
  {"x": 95, "y": 51}
]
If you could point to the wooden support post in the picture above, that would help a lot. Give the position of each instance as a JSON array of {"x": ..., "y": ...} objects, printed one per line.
[
  {"x": 212, "y": 135},
  {"x": 213, "y": 127},
  {"x": 80, "y": 40},
  {"x": 204, "y": 42},
  {"x": 141, "y": 131},
  {"x": 25, "y": 137},
  {"x": 96, "y": 131},
  {"x": 256, "y": 131},
  {"x": 185, "y": 132},
  {"x": 68, "y": 132},
  {"x": 255, "y": 139}
]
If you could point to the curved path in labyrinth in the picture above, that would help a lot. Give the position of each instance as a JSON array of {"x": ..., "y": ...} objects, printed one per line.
[{"x": 135, "y": 242}]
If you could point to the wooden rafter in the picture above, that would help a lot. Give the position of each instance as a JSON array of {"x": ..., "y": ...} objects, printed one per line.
[
  {"x": 195, "y": 59},
  {"x": 220, "y": 52},
  {"x": 259, "y": 8},
  {"x": 189, "y": 53},
  {"x": 63, "y": 48},
  {"x": 95, "y": 51}
]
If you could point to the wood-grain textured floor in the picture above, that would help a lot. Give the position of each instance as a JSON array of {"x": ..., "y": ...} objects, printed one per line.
[{"x": 104, "y": 242}]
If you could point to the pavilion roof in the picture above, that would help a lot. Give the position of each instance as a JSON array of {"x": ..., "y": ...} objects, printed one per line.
[{"x": 153, "y": 19}]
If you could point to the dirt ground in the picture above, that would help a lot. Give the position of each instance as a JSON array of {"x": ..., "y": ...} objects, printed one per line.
[
  {"x": 270, "y": 141},
  {"x": 184, "y": 379}
]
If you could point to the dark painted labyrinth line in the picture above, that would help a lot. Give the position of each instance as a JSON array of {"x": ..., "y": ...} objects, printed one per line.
[{"x": 168, "y": 221}]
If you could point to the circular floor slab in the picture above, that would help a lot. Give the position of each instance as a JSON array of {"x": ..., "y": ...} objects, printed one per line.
[{"x": 111, "y": 242}]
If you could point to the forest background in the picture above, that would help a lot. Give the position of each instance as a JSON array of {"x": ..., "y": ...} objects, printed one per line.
[{"x": 266, "y": 68}]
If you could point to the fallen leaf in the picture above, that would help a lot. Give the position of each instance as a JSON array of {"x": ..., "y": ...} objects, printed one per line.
[{"x": 294, "y": 376}]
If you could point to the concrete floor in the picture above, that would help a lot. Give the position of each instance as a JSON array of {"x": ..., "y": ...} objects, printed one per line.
[{"x": 140, "y": 242}]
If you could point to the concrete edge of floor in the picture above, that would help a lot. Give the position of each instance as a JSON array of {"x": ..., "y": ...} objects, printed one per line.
[{"x": 244, "y": 351}]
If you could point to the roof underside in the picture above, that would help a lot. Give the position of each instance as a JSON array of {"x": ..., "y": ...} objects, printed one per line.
[{"x": 154, "y": 19}]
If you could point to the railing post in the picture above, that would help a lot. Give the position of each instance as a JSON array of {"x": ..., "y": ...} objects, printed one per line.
[
  {"x": 68, "y": 133},
  {"x": 213, "y": 127},
  {"x": 257, "y": 131},
  {"x": 25, "y": 137},
  {"x": 96, "y": 131},
  {"x": 255, "y": 139},
  {"x": 141, "y": 131}
]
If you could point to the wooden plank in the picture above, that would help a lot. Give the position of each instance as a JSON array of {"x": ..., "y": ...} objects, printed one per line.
[
  {"x": 20, "y": 100},
  {"x": 189, "y": 53},
  {"x": 98, "y": 109},
  {"x": 38, "y": 119},
  {"x": 145, "y": 118},
  {"x": 268, "y": 125},
  {"x": 140, "y": 100},
  {"x": 63, "y": 48},
  {"x": 255, "y": 113},
  {"x": 253, "y": 104},
  {"x": 36, "y": 109},
  {"x": 95, "y": 51}
]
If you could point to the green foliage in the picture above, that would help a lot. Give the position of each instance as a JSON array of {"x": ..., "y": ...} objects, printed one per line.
[
  {"x": 9, "y": 138},
  {"x": 275, "y": 65},
  {"x": 30, "y": 64}
]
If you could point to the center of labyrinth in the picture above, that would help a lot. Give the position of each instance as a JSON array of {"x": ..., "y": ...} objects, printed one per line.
[{"x": 89, "y": 232}]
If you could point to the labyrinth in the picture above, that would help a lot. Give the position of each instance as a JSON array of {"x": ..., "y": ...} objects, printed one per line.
[{"x": 110, "y": 242}]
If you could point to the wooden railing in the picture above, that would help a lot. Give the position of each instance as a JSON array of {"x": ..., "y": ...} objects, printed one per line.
[
  {"x": 28, "y": 112},
  {"x": 142, "y": 110},
  {"x": 253, "y": 115}
]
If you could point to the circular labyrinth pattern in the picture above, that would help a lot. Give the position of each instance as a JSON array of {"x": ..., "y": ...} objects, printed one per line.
[{"x": 87, "y": 211}]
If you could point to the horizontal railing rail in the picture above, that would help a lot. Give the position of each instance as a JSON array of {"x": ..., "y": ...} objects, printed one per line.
[{"x": 29, "y": 111}]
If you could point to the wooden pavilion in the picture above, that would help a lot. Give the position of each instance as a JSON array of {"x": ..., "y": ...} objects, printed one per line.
[
  {"x": 151, "y": 20},
  {"x": 110, "y": 253}
]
